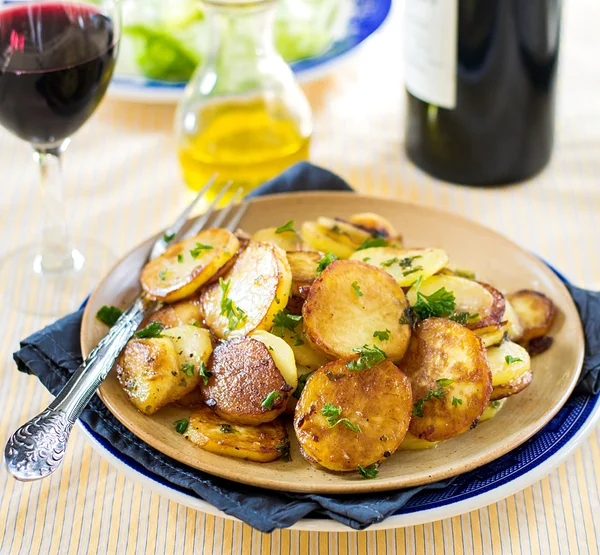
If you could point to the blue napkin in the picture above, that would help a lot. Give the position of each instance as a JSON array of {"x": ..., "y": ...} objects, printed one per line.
[{"x": 54, "y": 353}]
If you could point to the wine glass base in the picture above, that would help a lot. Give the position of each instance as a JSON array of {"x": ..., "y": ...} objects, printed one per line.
[{"x": 28, "y": 288}]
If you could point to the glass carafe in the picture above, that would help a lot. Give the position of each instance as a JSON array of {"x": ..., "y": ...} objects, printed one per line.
[{"x": 243, "y": 115}]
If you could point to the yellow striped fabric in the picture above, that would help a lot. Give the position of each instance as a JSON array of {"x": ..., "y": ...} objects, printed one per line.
[{"x": 123, "y": 183}]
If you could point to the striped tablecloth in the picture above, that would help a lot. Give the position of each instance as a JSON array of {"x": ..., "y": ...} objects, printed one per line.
[{"x": 123, "y": 183}]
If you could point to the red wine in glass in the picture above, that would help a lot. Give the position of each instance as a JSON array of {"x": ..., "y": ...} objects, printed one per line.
[
  {"x": 56, "y": 62},
  {"x": 54, "y": 74}
]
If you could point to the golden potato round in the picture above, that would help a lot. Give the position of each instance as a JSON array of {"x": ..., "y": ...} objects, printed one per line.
[
  {"x": 448, "y": 360},
  {"x": 535, "y": 311},
  {"x": 258, "y": 285},
  {"x": 511, "y": 388},
  {"x": 507, "y": 362},
  {"x": 377, "y": 401},
  {"x": 263, "y": 443},
  {"x": 177, "y": 314},
  {"x": 286, "y": 240},
  {"x": 303, "y": 265},
  {"x": 492, "y": 335},
  {"x": 188, "y": 265},
  {"x": 321, "y": 239},
  {"x": 351, "y": 301},
  {"x": 244, "y": 376},
  {"x": 375, "y": 224}
]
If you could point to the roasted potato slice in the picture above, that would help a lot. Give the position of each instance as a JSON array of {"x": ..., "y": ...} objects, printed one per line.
[
  {"x": 282, "y": 355},
  {"x": 470, "y": 296},
  {"x": 375, "y": 224},
  {"x": 511, "y": 388},
  {"x": 492, "y": 335},
  {"x": 155, "y": 372},
  {"x": 303, "y": 265},
  {"x": 351, "y": 301},
  {"x": 321, "y": 239},
  {"x": 188, "y": 265},
  {"x": 257, "y": 287},
  {"x": 515, "y": 327},
  {"x": 507, "y": 362},
  {"x": 263, "y": 443},
  {"x": 177, "y": 314},
  {"x": 345, "y": 232},
  {"x": 414, "y": 443},
  {"x": 492, "y": 409},
  {"x": 535, "y": 311},
  {"x": 245, "y": 387},
  {"x": 304, "y": 353},
  {"x": 286, "y": 240},
  {"x": 406, "y": 265},
  {"x": 346, "y": 418},
  {"x": 450, "y": 377}
]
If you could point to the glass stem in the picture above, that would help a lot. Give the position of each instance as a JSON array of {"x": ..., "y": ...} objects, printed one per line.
[{"x": 56, "y": 253}]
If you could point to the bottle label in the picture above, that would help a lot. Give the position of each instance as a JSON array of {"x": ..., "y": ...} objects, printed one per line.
[{"x": 430, "y": 50}]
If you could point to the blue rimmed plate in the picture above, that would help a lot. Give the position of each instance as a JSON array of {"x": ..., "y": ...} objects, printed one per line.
[{"x": 367, "y": 17}]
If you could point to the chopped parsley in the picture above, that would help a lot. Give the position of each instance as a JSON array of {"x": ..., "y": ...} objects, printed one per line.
[
  {"x": 382, "y": 335},
  {"x": 151, "y": 330},
  {"x": 234, "y": 315},
  {"x": 162, "y": 274},
  {"x": 464, "y": 318},
  {"x": 168, "y": 237},
  {"x": 333, "y": 415},
  {"x": 180, "y": 258},
  {"x": 369, "y": 356},
  {"x": 467, "y": 274},
  {"x": 195, "y": 252},
  {"x": 366, "y": 258},
  {"x": 204, "y": 373},
  {"x": 510, "y": 359},
  {"x": 268, "y": 401},
  {"x": 286, "y": 228},
  {"x": 357, "y": 290},
  {"x": 325, "y": 261},
  {"x": 188, "y": 369},
  {"x": 373, "y": 242},
  {"x": 283, "y": 320},
  {"x": 284, "y": 449},
  {"x": 181, "y": 426},
  {"x": 456, "y": 401},
  {"x": 437, "y": 393},
  {"x": 369, "y": 472},
  {"x": 402, "y": 262},
  {"x": 496, "y": 404},
  {"x": 109, "y": 315},
  {"x": 390, "y": 262},
  {"x": 302, "y": 383},
  {"x": 440, "y": 303},
  {"x": 412, "y": 270},
  {"x": 226, "y": 428}
]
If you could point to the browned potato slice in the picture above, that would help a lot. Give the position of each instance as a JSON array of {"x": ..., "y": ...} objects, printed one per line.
[
  {"x": 414, "y": 443},
  {"x": 244, "y": 376},
  {"x": 177, "y": 314},
  {"x": 286, "y": 240},
  {"x": 470, "y": 296},
  {"x": 515, "y": 327},
  {"x": 155, "y": 372},
  {"x": 351, "y": 301},
  {"x": 406, "y": 265},
  {"x": 449, "y": 360},
  {"x": 188, "y": 265},
  {"x": 507, "y": 362},
  {"x": 345, "y": 232},
  {"x": 492, "y": 409},
  {"x": 376, "y": 401},
  {"x": 319, "y": 238},
  {"x": 303, "y": 265},
  {"x": 492, "y": 335},
  {"x": 263, "y": 443},
  {"x": 511, "y": 388},
  {"x": 535, "y": 311},
  {"x": 258, "y": 286},
  {"x": 375, "y": 224}
]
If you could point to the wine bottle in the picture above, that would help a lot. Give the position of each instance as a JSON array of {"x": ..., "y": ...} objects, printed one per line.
[{"x": 480, "y": 77}]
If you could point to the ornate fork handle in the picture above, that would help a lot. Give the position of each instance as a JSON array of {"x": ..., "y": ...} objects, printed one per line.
[{"x": 38, "y": 447}]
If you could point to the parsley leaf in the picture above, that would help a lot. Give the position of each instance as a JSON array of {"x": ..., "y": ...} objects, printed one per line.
[
  {"x": 467, "y": 274},
  {"x": 439, "y": 303},
  {"x": 195, "y": 252},
  {"x": 226, "y": 428},
  {"x": 302, "y": 383},
  {"x": 151, "y": 330},
  {"x": 268, "y": 401},
  {"x": 168, "y": 237},
  {"x": 188, "y": 368},
  {"x": 412, "y": 271},
  {"x": 510, "y": 359},
  {"x": 437, "y": 393},
  {"x": 369, "y": 472},
  {"x": 204, "y": 373},
  {"x": 109, "y": 315},
  {"x": 284, "y": 449},
  {"x": 382, "y": 335},
  {"x": 284, "y": 320},
  {"x": 369, "y": 356},
  {"x": 357, "y": 290},
  {"x": 333, "y": 413},
  {"x": 375, "y": 242},
  {"x": 496, "y": 404},
  {"x": 289, "y": 227},
  {"x": 180, "y": 258},
  {"x": 390, "y": 262},
  {"x": 234, "y": 315},
  {"x": 162, "y": 274},
  {"x": 181, "y": 426},
  {"x": 456, "y": 401},
  {"x": 464, "y": 318},
  {"x": 325, "y": 261}
]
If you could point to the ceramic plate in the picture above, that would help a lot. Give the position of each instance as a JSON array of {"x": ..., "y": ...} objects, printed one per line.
[
  {"x": 368, "y": 16},
  {"x": 469, "y": 245}
]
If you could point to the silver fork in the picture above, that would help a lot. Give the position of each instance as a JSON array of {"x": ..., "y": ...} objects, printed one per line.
[{"x": 38, "y": 447}]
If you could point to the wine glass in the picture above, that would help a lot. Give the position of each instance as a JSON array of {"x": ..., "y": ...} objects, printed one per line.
[{"x": 56, "y": 61}]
